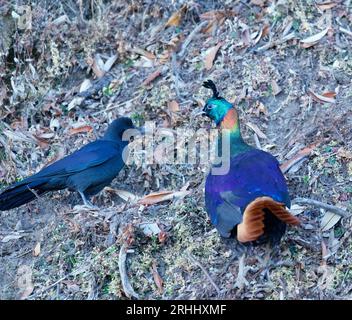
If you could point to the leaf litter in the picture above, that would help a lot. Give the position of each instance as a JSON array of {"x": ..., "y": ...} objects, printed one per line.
[{"x": 117, "y": 61}]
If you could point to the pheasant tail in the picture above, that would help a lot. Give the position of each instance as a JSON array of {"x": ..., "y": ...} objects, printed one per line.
[{"x": 252, "y": 226}]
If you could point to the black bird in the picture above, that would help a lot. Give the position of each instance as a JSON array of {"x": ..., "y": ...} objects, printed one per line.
[{"x": 87, "y": 170}]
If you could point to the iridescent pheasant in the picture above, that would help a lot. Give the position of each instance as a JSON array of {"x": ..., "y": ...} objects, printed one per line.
[{"x": 249, "y": 201}]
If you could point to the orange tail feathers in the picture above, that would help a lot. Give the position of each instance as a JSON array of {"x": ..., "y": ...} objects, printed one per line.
[{"x": 252, "y": 226}]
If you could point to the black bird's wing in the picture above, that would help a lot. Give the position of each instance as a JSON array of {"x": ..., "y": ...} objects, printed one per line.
[
  {"x": 91, "y": 155},
  {"x": 54, "y": 176}
]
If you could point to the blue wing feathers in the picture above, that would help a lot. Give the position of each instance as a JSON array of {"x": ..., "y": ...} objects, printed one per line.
[
  {"x": 252, "y": 174},
  {"x": 91, "y": 155}
]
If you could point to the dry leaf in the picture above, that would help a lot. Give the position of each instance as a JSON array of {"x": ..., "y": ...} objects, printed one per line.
[
  {"x": 329, "y": 220},
  {"x": 85, "y": 85},
  {"x": 54, "y": 123},
  {"x": 329, "y": 94},
  {"x": 346, "y": 154},
  {"x": 157, "y": 279},
  {"x": 97, "y": 65},
  {"x": 24, "y": 281},
  {"x": 256, "y": 36},
  {"x": 109, "y": 63},
  {"x": 124, "y": 195},
  {"x": 209, "y": 27},
  {"x": 326, "y": 5},
  {"x": 144, "y": 53},
  {"x": 152, "y": 77},
  {"x": 71, "y": 286},
  {"x": 41, "y": 142},
  {"x": 287, "y": 25},
  {"x": 298, "y": 157},
  {"x": 258, "y": 108},
  {"x": 48, "y": 135},
  {"x": 296, "y": 209},
  {"x": 275, "y": 88},
  {"x": 156, "y": 197},
  {"x": 326, "y": 281},
  {"x": 173, "y": 106},
  {"x": 36, "y": 250},
  {"x": 210, "y": 56},
  {"x": 144, "y": 62},
  {"x": 216, "y": 18},
  {"x": 260, "y": 3},
  {"x": 162, "y": 196},
  {"x": 176, "y": 17},
  {"x": 312, "y": 40},
  {"x": 127, "y": 234},
  {"x": 324, "y": 252},
  {"x": 150, "y": 229},
  {"x": 162, "y": 236},
  {"x": 17, "y": 136},
  {"x": 76, "y": 101},
  {"x": 321, "y": 98},
  {"x": 172, "y": 46},
  {"x": 246, "y": 37},
  {"x": 217, "y": 14},
  {"x": 10, "y": 237},
  {"x": 256, "y": 129},
  {"x": 174, "y": 20},
  {"x": 80, "y": 129},
  {"x": 60, "y": 20},
  {"x": 3, "y": 94}
]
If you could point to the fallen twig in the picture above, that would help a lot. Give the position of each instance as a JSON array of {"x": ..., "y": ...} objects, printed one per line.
[
  {"x": 190, "y": 38},
  {"x": 241, "y": 280},
  {"x": 96, "y": 87},
  {"x": 48, "y": 287},
  {"x": 257, "y": 142},
  {"x": 127, "y": 288},
  {"x": 345, "y": 31},
  {"x": 175, "y": 73},
  {"x": 305, "y": 152},
  {"x": 196, "y": 262},
  {"x": 306, "y": 244},
  {"x": 159, "y": 72},
  {"x": 117, "y": 105},
  {"x": 322, "y": 205}
]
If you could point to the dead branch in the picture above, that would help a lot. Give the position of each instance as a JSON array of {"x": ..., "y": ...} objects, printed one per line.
[
  {"x": 241, "y": 280},
  {"x": 322, "y": 205},
  {"x": 196, "y": 262},
  {"x": 127, "y": 288},
  {"x": 190, "y": 38}
]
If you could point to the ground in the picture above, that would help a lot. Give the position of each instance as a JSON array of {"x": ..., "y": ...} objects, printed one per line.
[{"x": 286, "y": 65}]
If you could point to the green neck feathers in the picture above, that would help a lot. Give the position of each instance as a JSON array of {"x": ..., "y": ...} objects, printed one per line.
[{"x": 225, "y": 116}]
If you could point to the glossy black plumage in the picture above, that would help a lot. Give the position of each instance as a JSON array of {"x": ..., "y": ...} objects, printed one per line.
[{"x": 87, "y": 170}]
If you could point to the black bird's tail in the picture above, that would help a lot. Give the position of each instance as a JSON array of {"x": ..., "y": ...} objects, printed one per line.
[{"x": 22, "y": 192}]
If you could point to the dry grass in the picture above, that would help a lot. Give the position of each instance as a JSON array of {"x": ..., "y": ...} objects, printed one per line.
[{"x": 42, "y": 70}]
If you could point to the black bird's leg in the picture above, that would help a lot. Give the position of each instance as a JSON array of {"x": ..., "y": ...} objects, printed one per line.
[{"x": 85, "y": 200}]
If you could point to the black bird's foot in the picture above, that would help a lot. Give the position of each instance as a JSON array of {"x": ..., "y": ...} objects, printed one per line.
[{"x": 87, "y": 203}]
